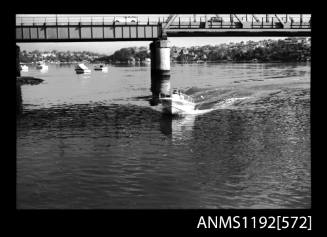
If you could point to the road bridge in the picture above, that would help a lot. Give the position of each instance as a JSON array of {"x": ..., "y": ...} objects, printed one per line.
[{"x": 97, "y": 28}]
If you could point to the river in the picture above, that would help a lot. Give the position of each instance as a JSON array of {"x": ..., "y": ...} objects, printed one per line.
[{"x": 95, "y": 142}]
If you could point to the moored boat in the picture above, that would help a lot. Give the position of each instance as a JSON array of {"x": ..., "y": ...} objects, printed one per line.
[
  {"x": 101, "y": 67},
  {"x": 81, "y": 68},
  {"x": 177, "y": 103},
  {"x": 41, "y": 65},
  {"x": 146, "y": 61},
  {"x": 24, "y": 68}
]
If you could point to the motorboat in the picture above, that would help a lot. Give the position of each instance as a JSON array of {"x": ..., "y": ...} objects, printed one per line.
[
  {"x": 147, "y": 60},
  {"x": 177, "y": 103},
  {"x": 41, "y": 65},
  {"x": 24, "y": 68},
  {"x": 101, "y": 67},
  {"x": 81, "y": 68}
]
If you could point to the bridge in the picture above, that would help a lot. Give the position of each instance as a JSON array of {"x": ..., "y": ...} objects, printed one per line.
[
  {"x": 127, "y": 28},
  {"x": 91, "y": 28}
]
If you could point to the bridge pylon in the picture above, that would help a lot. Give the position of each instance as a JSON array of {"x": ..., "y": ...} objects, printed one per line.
[
  {"x": 17, "y": 61},
  {"x": 160, "y": 69}
]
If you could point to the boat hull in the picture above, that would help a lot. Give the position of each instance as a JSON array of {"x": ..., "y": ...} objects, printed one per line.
[
  {"x": 174, "y": 107},
  {"x": 24, "y": 68},
  {"x": 82, "y": 71},
  {"x": 101, "y": 69},
  {"x": 42, "y": 67}
]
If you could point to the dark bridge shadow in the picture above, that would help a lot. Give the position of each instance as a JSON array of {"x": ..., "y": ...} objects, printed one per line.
[
  {"x": 159, "y": 84},
  {"x": 19, "y": 100}
]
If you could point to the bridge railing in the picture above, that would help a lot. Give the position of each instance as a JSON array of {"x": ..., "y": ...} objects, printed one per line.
[
  {"x": 239, "y": 25},
  {"x": 94, "y": 20},
  {"x": 75, "y": 28},
  {"x": 243, "y": 21},
  {"x": 227, "y": 20},
  {"x": 53, "y": 29}
]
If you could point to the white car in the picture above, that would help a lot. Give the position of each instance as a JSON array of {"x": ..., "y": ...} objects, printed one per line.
[
  {"x": 125, "y": 19},
  {"x": 216, "y": 19}
]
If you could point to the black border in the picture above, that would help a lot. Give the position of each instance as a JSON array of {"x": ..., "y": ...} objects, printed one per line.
[{"x": 156, "y": 221}]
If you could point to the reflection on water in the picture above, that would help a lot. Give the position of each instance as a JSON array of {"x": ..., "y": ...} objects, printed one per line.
[
  {"x": 19, "y": 100},
  {"x": 83, "y": 75},
  {"x": 97, "y": 143},
  {"x": 177, "y": 127},
  {"x": 44, "y": 70}
]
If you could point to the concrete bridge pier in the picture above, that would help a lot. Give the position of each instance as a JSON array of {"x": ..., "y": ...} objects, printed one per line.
[
  {"x": 17, "y": 61},
  {"x": 19, "y": 100},
  {"x": 160, "y": 56},
  {"x": 159, "y": 84},
  {"x": 160, "y": 69}
]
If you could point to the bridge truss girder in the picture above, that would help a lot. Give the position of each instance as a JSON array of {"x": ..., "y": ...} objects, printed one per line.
[
  {"x": 238, "y": 22},
  {"x": 267, "y": 17}
]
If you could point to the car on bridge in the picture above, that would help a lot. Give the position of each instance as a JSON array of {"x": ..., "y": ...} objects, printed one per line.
[
  {"x": 216, "y": 19},
  {"x": 219, "y": 21},
  {"x": 126, "y": 19}
]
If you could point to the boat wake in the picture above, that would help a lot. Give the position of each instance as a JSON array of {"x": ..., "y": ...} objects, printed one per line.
[
  {"x": 245, "y": 97},
  {"x": 224, "y": 104},
  {"x": 217, "y": 98},
  {"x": 229, "y": 102}
]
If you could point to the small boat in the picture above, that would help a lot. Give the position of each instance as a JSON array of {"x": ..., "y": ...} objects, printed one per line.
[
  {"x": 24, "y": 68},
  {"x": 177, "y": 103},
  {"x": 101, "y": 67},
  {"x": 81, "y": 68},
  {"x": 147, "y": 61},
  {"x": 41, "y": 65}
]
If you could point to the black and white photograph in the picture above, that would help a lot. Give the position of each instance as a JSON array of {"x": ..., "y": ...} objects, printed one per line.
[{"x": 163, "y": 111}]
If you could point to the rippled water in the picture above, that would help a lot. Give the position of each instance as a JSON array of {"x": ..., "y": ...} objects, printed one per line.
[{"x": 95, "y": 142}]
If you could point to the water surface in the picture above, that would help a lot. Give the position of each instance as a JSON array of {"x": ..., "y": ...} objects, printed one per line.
[{"x": 94, "y": 141}]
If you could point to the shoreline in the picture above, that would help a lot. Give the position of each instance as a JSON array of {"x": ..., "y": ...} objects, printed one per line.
[
  {"x": 180, "y": 62},
  {"x": 24, "y": 80}
]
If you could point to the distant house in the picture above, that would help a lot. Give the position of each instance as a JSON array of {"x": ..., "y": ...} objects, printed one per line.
[
  {"x": 44, "y": 55},
  {"x": 288, "y": 40},
  {"x": 131, "y": 60},
  {"x": 301, "y": 39},
  {"x": 175, "y": 54},
  {"x": 184, "y": 51},
  {"x": 194, "y": 57},
  {"x": 295, "y": 40},
  {"x": 308, "y": 42},
  {"x": 223, "y": 46}
]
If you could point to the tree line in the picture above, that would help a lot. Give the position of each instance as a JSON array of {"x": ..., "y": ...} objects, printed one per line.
[
  {"x": 289, "y": 49},
  {"x": 264, "y": 51}
]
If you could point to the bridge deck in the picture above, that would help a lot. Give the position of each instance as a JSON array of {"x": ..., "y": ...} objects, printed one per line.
[
  {"x": 67, "y": 31},
  {"x": 83, "y": 32}
]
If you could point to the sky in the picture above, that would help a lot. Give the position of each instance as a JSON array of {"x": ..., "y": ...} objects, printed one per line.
[{"x": 110, "y": 47}]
